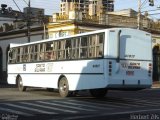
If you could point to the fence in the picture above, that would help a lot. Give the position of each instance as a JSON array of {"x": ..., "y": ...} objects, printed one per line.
[{"x": 117, "y": 21}]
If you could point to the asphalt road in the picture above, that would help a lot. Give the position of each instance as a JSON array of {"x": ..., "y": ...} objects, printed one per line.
[{"x": 40, "y": 104}]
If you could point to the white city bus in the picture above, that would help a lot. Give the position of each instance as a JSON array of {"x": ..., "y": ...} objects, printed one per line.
[{"x": 117, "y": 58}]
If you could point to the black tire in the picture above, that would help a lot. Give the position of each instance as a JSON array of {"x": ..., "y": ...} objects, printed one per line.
[
  {"x": 98, "y": 93},
  {"x": 20, "y": 84},
  {"x": 63, "y": 87}
]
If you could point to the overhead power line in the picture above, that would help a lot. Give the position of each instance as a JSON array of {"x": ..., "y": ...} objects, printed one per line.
[
  {"x": 17, "y": 5},
  {"x": 26, "y": 3},
  {"x": 144, "y": 2}
]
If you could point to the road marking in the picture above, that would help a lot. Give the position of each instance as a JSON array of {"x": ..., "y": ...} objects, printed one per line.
[
  {"x": 119, "y": 104},
  {"x": 29, "y": 108},
  {"x": 15, "y": 111},
  {"x": 83, "y": 104},
  {"x": 52, "y": 108},
  {"x": 113, "y": 113},
  {"x": 67, "y": 106},
  {"x": 142, "y": 102},
  {"x": 123, "y": 104},
  {"x": 102, "y": 103}
]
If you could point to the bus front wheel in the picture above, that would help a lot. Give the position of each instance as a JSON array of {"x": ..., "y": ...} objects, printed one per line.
[
  {"x": 20, "y": 84},
  {"x": 98, "y": 93},
  {"x": 63, "y": 87}
]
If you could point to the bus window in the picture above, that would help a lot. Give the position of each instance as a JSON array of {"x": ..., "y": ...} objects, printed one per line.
[
  {"x": 61, "y": 50},
  {"x": 41, "y": 52},
  {"x": 92, "y": 45},
  {"x": 34, "y": 53},
  {"x": 99, "y": 48},
  {"x": 18, "y": 55},
  {"x": 49, "y": 51},
  {"x": 75, "y": 48},
  {"x": 55, "y": 50},
  {"x": 12, "y": 56},
  {"x": 68, "y": 49},
  {"x": 25, "y": 54},
  {"x": 84, "y": 47},
  {"x": 31, "y": 53}
]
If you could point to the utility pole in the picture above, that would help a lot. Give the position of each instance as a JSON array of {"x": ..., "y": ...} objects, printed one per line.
[
  {"x": 151, "y": 3},
  {"x": 28, "y": 21},
  {"x": 139, "y": 14}
]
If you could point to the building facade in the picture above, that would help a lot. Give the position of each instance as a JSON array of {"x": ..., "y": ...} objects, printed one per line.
[
  {"x": 87, "y": 7},
  {"x": 13, "y": 29},
  {"x": 15, "y": 36}
]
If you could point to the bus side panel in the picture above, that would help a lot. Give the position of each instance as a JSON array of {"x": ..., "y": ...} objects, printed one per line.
[
  {"x": 84, "y": 81},
  {"x": 76, "y": 81},
  {"x": 11, "y": 78},
  {"x": 40, "y": 80},
  {"x": 82, "y": 74}
]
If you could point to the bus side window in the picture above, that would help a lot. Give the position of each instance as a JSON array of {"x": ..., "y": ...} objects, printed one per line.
[
  {"x": 92, "y": 46},
  {"x": 41, "y": 52},
  {"x": 18, "y": 55},
  {"x": 36, "y": 52},
  {"x": 25, "y": 54},
  {"x": 61, "y": 50},
  {"x": 54, "y": 57},
  {"x": 68, "y": 49},
  {"x": 49, "y": 51},
  {"x": 100, "y": 41},
  {"x": 12, "y": 56},
  {"x": 84, "y": 47},
  {"x": 75, "y": 48},
  {"x": 31, "y": 53}
]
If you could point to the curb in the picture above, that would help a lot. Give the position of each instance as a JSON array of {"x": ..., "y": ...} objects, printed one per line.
[
  {"x": 155, "y": 87},
  {"x": 7, "y": 86}
]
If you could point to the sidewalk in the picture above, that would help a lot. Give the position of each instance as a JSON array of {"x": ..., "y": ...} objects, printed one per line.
[
  {"x": 5, "y": 85},
  {"x": 156, "y": 84}
]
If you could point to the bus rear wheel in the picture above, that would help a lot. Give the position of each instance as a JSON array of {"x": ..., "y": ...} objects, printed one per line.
[
  {"x": 20, "y": 84},
  {"x": 98, "y": 93},
  {"x": 63, "y": 87}
]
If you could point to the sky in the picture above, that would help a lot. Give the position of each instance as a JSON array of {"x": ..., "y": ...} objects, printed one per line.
[
  {"x": 53, "y": 6},
  {"x": 50, "y": 6}
]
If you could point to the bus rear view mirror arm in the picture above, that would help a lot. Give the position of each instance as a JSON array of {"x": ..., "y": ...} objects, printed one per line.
[{"x": 118, "y": 46}]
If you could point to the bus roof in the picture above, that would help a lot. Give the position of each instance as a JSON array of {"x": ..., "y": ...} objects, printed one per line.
[{"x": 59, "y": 38}]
